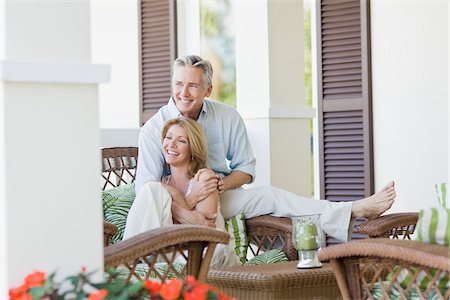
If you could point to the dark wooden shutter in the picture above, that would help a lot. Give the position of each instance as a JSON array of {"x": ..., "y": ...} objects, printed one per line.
[
  {"x": 157, "y": 52},
  {"x": 344, "y": 100}
]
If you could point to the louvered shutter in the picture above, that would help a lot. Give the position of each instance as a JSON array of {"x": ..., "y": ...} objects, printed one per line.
[
  {"x": 157, "y": 52},
  {"x": 344, "y": 100}
]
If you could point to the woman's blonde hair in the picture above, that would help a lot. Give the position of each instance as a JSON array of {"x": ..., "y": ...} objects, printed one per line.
[{"x": 196, "y": 140}]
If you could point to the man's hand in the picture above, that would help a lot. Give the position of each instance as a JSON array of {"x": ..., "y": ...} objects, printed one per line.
[
  {"x": 233, "y": 181},
  {"x": 205, "y": 182}
]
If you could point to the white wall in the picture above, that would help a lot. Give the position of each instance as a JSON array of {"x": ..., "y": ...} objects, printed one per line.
[
  {"x": 410, "y": 73},
  {"x": 114, "y": 31}
]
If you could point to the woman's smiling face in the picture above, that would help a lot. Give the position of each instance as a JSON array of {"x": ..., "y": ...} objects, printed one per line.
[{"x": 176, "y": 147}]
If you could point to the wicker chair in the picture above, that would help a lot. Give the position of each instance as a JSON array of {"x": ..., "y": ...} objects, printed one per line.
[
  {"x": 376, "y": 268},
  {"x": 264, "y": 232},
  {"x": 139, "y": 256},
  {"x": 372, "y": 267},
  {"x": 393, "y": 226}
]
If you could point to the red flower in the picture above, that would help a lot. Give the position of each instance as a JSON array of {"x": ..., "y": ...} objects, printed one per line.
[
  {"x": 200, "y": 292},
  {"x": 153, "y": 287},
  {"x": 190, "y": 280},
  {"x": 20, "y": 293},
  {"x": 83, "y": 269},
  {"x": 98, "y": 295},
  {"x": 35, "y": 279},
  {"x": 171, "y": 289}
]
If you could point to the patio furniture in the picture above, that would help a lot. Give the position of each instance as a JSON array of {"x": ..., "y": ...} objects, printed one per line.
[
  {"x": 276, "y": 281},
  {"x": 390, "y": 265},
  {"x": 380, "y": 268},
  {"x": 394, "y": 226},
  {"x": 264, "y": 232},
  {"x": 141, "y": 255}
]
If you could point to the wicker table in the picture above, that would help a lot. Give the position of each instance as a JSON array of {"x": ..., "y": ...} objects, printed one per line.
[{"x": 276, "y": 281}]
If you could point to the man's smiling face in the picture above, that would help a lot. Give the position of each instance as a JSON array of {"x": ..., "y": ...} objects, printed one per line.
[{"x": 188, "y": 91}]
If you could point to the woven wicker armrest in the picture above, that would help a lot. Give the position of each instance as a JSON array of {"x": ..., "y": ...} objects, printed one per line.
[
  {"x": 397, "y": 226},
  {"x": 367, "y": 267},
  {"x": 414, "y": 252},
  {"x": 269, "y": 232},
  {"x": 109, "y": 230},
  {"x": 165, "y": 244}
]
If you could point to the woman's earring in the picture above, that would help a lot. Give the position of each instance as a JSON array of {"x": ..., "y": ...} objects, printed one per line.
[{"x": 192, "y": 157}]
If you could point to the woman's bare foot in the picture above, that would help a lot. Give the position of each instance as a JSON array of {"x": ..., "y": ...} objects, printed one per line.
[{"x": 372, "y": 207}]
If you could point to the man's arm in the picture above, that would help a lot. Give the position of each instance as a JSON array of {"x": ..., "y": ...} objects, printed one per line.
[
  {"x": 150, "y": 158},
  {"x": 233, "y": 181}
]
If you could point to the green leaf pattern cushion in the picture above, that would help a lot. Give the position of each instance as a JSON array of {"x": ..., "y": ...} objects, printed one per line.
[
  {"x": 116, "y": 204},
  {"x": 269, "y": 257}
]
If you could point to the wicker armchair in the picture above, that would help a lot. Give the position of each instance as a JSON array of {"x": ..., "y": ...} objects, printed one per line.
[
  {"x": 140, "y": 255},
  {"x": 377, "y": 268},
  {"x": 264, "y": 232},
  {"x": 394, "y": 226}
]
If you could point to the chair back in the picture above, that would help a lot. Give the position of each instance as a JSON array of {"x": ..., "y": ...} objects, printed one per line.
[{"x": 118, "y": 166}]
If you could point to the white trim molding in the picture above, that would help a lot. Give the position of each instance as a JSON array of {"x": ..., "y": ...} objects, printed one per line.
[
  {"x": 280, "y": 113},
  {"x": 119, "y": 137},
  {"x": 53, "y": 72}
]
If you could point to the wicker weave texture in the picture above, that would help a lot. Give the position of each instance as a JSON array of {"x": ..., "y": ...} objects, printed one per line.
[
  {"x": 276, "y": 281},
  {"x": 395, "y": 226},
  {"x": 379, "y": 266},
  {"x": 118, "y": 166}
]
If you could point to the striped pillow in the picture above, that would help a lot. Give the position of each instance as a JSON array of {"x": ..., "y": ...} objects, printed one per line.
[
  {"x": 442, "y": 190},
  {"x": 433, "y": 226},
  {"x": 235, "y": 226}
]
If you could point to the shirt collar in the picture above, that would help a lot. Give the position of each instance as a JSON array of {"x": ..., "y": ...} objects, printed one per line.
[{"x": 176, "y": 113}]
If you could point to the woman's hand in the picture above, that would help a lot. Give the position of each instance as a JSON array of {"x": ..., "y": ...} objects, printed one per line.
[
  {"x": 185, "y": 216},
  {"x": 204, "y": 183}
]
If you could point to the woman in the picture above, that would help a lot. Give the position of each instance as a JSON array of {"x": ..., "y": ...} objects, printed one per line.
[{"x": 186, "y": 153}]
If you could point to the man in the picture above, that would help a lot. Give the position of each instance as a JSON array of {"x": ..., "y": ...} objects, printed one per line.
[{"x": 227, "y": 140}]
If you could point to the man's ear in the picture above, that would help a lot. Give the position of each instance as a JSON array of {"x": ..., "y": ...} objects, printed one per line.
[{"x": 209, "y": 90}]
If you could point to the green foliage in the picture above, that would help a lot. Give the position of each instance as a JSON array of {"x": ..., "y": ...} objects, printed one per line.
[{"x": 217, "y": 40}]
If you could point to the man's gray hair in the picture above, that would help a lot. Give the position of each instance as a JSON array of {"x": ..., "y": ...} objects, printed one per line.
[{"x": 196, "y": 61}]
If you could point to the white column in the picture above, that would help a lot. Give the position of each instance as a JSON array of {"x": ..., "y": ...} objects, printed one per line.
[
  {"x": 270, "y": 91},
  {"x": 50, "y": 201}
]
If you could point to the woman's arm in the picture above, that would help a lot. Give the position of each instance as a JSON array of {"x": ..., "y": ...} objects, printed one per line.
[
  {"x": 176, "y": 196},
  {"x": 202, "y": 187},
  {"x": 210, "y": 204},
  {"x": 185, "y": 216}
]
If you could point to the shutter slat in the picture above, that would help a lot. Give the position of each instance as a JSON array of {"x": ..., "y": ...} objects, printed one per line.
[
  {"x": 344, "y": 138},
  {"x": 345, "y": 162}
]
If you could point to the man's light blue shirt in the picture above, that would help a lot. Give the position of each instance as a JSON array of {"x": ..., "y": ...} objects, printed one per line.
[{"x": 229, "y": 148}]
